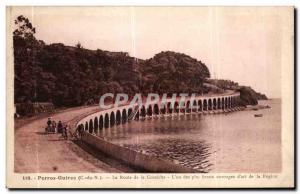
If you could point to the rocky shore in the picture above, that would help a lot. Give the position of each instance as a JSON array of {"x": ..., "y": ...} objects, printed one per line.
[{"x": 256, "y": 107}]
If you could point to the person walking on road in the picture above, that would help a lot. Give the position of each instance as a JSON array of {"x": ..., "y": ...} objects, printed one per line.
[
  {"x": 49, "y": 122},
  {"x": 59, "y": 127},
  {"x": 53, "y": 126},
  {"x": 65, "y": 131},
  {"x": 79, "y": 132}
]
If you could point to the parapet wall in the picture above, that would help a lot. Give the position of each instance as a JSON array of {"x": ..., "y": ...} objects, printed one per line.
[{"x": 134, "y": 158}]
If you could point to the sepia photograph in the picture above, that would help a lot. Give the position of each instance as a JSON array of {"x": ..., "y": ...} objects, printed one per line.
[{"x": 150, "y": 97}]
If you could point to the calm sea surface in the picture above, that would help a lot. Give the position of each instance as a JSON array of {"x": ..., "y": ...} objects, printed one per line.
[{"x": 233, "y": 142}]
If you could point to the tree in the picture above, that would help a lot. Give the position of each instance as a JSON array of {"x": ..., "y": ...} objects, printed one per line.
[
  {"x": 171, "y": 72},
  {"x": 24, "y": 27},
  {"x": 78, "y": 45},
  {"x": 71, "y": 76},
  {"x": 25, "y": 46}
]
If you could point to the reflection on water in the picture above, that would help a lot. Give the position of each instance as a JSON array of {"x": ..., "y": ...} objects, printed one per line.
[{"x": 234, "y": 142}]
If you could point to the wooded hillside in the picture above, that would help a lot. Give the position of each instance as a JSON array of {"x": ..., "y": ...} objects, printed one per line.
[{"x": 72, "y": 75}]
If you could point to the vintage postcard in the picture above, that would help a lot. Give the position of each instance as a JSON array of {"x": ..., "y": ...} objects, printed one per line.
[{"x": 150, "y": 97}]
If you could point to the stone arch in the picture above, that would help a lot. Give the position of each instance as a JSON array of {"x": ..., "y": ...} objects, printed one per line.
[
  {"x": 91, "y": 126},
  {"x": 96, "y": 123},
  {"x": 137, "y": 115},
  {"x": 149, "y": 111},
  {"x": 176, "y": 107},
  {"x": 195, "y": 105},
  {"x": 124, "y": 115},
  {"x": 209, "y": 104},
  {"x": 170, "y": 108},
  {"x": 112, "y": 119},
  {"x": 182, "y": 107},
  {"x": 106, "y": 120},
  {"x": 219, "y": 103},
  {"x": 80, "y": 127},
  {"x": 205, "y": 107},
  {"x": 86, "y": 126},
  {"x": 143, "y": 111},
  {"x": 101, "y": 122},
  {"x": 214, "y": 104},
  {"x": 226, "y": 103},
  {"x": 163, "y": 109},
  {"x": 118, "y": 117},
  {"x": 223, "y": 103},
  {"x": 129, "y": 113},
  {"x": 200, "y": 105},
  {"x": 156, "y": 109},
  {"x": 188, "y": 106}
]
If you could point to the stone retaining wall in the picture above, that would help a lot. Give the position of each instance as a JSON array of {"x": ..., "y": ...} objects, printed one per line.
[{"x": 30, "y": 109}]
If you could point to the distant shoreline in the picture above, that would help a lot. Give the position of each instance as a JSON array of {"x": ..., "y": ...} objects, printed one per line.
[{"x": 258, "y": 106}]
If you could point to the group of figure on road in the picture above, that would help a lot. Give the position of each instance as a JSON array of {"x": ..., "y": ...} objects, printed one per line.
[{"x": 59, "y": 127}]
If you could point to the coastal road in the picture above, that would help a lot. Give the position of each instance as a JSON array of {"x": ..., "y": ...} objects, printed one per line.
[{"x": 36, "y": 151}]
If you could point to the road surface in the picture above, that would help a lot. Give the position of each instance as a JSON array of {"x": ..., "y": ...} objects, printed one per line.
[{"x": 36, "y": 151}]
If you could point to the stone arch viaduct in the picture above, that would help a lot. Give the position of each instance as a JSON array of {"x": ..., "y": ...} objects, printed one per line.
[{"x": 118, "y": 115}]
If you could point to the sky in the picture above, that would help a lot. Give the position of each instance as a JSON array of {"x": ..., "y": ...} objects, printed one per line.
[{"x": 243, "y": 44}]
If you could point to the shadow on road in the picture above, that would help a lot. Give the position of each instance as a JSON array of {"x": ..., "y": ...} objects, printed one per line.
[{"x": 41, "y": 133}]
